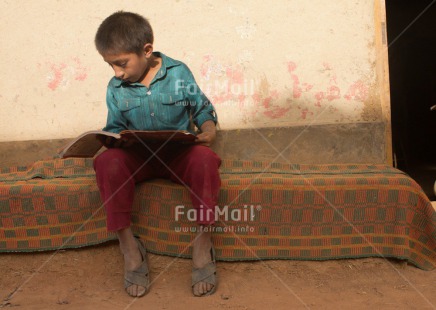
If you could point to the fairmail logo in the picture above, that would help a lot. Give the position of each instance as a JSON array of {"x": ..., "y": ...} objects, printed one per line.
[{"x": 245, "y": 214}]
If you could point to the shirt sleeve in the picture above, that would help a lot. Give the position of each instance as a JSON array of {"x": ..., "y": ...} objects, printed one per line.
[
  {"x": 201, "y": 108},
  {"x": 115, "y": 120}
]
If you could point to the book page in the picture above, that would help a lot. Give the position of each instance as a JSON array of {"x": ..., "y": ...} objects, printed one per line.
[{"x": 86, "y": 145}]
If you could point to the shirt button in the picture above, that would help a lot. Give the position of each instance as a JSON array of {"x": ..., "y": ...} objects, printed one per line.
[
  {"x": 149, "y": 92},
  {"x": 152, "y": 114}
]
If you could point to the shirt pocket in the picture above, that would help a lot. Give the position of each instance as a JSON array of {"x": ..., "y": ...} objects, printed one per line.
[
  {"x": 129, "y": 108},
  {"x": 172, "y": 98},
  {"x": 127, "y": 104},
  {"x": 173, "y": 108}
]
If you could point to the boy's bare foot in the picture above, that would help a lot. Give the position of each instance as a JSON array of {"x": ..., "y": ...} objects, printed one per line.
[
  {"x": 133, "y": 259},
  {"x": 201, "y": 256}
]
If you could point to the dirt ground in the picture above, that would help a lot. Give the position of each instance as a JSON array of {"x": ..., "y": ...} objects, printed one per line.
[{"x": 91, "y": 278}]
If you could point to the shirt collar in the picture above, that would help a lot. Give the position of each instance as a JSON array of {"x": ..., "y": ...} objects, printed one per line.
[{"x": 167, "y": 63}]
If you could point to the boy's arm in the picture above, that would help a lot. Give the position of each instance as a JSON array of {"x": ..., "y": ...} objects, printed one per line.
[
  {"x": 202, "y": 111},
  {"x": 208, "y": 133},
  {"x": 115, "y": 120}
]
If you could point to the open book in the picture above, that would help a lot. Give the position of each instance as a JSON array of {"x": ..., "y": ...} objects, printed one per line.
[{"x": 90, "y": 142}]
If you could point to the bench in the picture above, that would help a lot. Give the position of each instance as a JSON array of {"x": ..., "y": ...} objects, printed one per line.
[{"x": 266, "y": 211}]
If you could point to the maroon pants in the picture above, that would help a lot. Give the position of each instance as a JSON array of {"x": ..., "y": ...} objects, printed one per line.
[{"x": 118, "y": 170}]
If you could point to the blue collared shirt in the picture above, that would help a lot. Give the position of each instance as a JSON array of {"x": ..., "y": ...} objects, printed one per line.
[{"x": 171, "y": 101}]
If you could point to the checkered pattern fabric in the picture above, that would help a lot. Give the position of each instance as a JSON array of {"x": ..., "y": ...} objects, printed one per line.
[{"x": 266, "y": 211}]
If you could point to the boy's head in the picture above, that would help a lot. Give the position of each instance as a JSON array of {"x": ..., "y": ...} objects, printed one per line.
[{"x": 123, "y": 32}]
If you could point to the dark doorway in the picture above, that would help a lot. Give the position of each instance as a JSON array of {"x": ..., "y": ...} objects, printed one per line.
[{"x": 411, "y": 28}]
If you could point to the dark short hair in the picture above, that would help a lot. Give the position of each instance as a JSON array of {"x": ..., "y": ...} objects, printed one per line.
[{"x": 123, "y": 32}]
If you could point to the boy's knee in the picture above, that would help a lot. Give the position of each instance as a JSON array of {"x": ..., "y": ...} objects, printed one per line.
[
  {"x": 213, "y": 158},
  {"x": 110, "y": 160},
  {"x": 206, "y": 155},
  {"x": 204, "y": 160}
]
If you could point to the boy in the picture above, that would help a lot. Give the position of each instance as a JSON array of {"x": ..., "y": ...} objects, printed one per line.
[{"x": 151, "y": 91}]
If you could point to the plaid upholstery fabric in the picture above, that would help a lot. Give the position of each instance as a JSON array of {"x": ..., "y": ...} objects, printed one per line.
[{"x": 278, "y": 211}]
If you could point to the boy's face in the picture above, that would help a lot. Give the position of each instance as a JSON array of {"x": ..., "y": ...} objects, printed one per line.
[{"x": 129, "y": 67}]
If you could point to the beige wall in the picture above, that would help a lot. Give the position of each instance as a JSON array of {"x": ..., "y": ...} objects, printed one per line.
[{"x": 263, "y": 64}]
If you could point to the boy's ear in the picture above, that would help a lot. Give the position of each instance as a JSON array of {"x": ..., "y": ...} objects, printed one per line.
[{"x": 148, "y": 49}]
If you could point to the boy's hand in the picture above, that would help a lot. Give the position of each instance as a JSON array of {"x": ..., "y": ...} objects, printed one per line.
[
  {"x": 208, "y": 134},
  {"x": 205, "y": 138}
]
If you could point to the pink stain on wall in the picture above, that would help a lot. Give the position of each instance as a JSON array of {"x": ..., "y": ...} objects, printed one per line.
[
  {"x": 230, "y": 87},
  {"x": 291, "y": 66},
  {"x": 307, "y": 87},
  {"x": 61, "y": 73},
  {"x": 297, "y": 90},
  {"x": 277, "y": 112},
  {"x": 334, "y": 92},
  {"x": 267, "y": 100},
  {"x": 205, "y": 68},
  {"x": 235, "y": 76},
  {"x": 357, "y": 91},
  {"x": 327, "y": 66},
  {"x": 58, "y": 74},
  {"x": 218, "y": 99},
  {"x": 271, "y": 110},
  {"x": 319, "y": 96},
  {"x": 304, "y": 113},
  {"x": 80, "y": 71}
]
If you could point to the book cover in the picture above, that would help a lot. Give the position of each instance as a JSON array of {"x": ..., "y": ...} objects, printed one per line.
[{"x": 90, "y": 142}]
